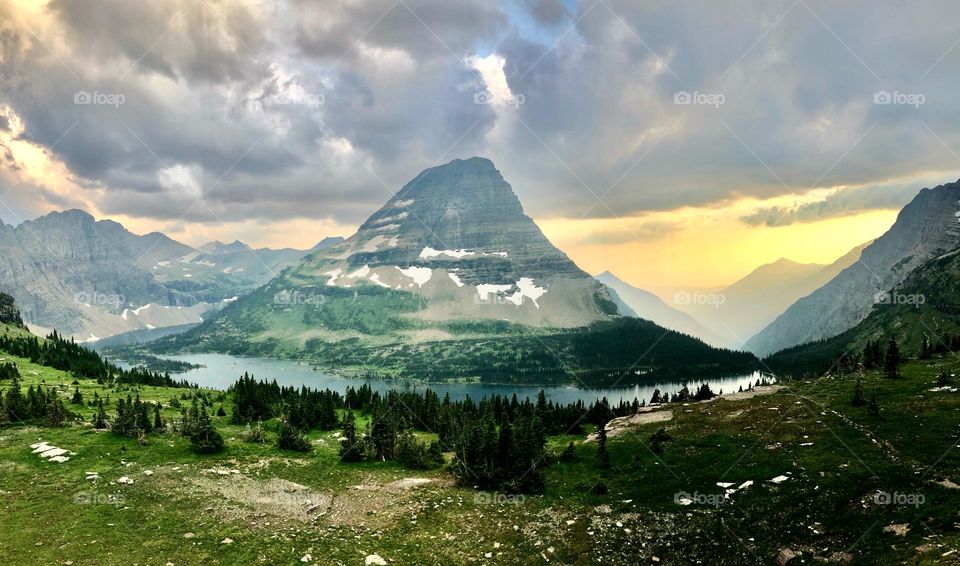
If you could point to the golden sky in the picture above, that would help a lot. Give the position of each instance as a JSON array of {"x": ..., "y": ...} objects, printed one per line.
[{"x": 708, "y": 248}]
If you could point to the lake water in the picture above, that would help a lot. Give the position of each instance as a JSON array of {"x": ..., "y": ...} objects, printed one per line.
[{"x": 221, "y": 370}]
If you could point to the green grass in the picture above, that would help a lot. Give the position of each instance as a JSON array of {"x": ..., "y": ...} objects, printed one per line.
[{"x": 826, "y": 506}]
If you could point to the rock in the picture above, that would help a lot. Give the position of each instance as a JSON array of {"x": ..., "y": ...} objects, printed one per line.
[
  {"x": 125, "y": 480},
  {"x": 898, "y": 529},
  {"x": 227, "y": 540},
  {"x": 375, "y": 560},
  {"x": 148, "y": 472},
  {"x": 786, "y": 556},
  {"x": 841, "y": 557},
  {"x": 306, "y": 558},
  {"x": 189, "y": 535}
]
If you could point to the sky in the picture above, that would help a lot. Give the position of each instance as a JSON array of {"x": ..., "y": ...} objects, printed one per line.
[{"x": 673, "y": 143}]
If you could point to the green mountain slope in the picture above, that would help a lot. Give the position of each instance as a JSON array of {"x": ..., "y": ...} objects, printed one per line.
[{"x": 925, "y": 307}]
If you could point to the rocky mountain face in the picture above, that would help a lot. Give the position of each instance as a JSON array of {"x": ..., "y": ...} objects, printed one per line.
[
  {"x": 644, "y": 304},
  {"x": 91, "y": 279},
  {"x": 456, "y": 240},
  {"x": 451, "y": 280},
  {"x": 925, "y": 307},
  {"x": 926, "y": 228}
]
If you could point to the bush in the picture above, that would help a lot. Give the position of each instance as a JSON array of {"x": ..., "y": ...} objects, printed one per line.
[
  {"x": 412, "y": 453},
  {"x": 569, "y": 453},
  {"x": 292, "y": 439}
]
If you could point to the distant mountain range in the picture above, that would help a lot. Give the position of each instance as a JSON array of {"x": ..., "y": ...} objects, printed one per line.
[
  {"x": 92, "y": 279},
  {"x": 927, "y": 228},
  {"x": 450, "y": 279},
  {"x": 644, "y": 304},
  {"x": 753, "y": 302}
]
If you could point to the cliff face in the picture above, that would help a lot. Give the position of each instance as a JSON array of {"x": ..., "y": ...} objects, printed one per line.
[{"x": 926, "y": 228}]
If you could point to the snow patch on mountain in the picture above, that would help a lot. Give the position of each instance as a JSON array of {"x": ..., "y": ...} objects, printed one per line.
[
  {"x": 333, "y": 275},
  {"x": 420, "y": 275},
  {"x": 362, "y": 272},
  {"x": 430, "y": 253}
]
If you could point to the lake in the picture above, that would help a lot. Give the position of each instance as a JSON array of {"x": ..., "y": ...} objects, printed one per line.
[{"x": 222, "y": 370}]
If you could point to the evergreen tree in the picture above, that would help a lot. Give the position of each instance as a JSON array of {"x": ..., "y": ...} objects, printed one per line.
[
  {"x": 292, "y": 439},
  {"x": 351, "y": 449},
  {"x": 77, "y": 397},
  {"x": 874, "y": 407},
  {"x": 100, "y": 420},
  {"x": 569, "y": 453},
  {"x": 205, "y": 438},
  {"x": 14, "y": 403},
  {"x": 858, "y": 400},
  {"x": 603, "y": 458},
  {"x": 892, "y": 360}
]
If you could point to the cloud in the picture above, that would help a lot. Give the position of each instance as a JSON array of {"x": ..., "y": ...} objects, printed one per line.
[
  {"x": 843, "y": 202},
  {"x": 291, "y": 110}
]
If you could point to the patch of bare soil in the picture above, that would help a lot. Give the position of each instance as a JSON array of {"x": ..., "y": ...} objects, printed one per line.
[
  {"x": 369, "y": 504},
  {"x": 759, "y": 390},
  {"x": 621, "y": 424}
]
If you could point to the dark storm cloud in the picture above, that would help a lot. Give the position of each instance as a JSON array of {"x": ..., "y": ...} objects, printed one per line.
[{"x": 304, "y": 109}]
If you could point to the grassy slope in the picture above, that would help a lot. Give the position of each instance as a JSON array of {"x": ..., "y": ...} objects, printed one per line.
[
  {"x": 827, "y": 503},
  {"x": 929, "y": 307}
]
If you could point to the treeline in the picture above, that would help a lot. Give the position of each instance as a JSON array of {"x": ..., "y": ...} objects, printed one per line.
[
  {"x": 136, "y": 419},
  {"x": 39, "y": 405},
  {"x": 66, "y": 355},
  {"x": 497, "y": 441}
]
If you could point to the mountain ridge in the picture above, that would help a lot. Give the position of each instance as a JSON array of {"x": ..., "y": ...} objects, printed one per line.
[{"x": 925, "y": 228}]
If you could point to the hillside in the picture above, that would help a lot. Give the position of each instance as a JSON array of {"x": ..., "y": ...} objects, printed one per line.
[
  {"x": 741, "y": 479},
  {"x": 646, "y": 305},
  {"x": 925, "y": 307},
  {"x": 926, "y": 228},
  {"x": 92, "y": 279}
]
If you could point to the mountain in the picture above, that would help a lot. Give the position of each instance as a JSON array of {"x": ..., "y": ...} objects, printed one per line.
[
  {"x": 449, "y": 279},
  {"x": 926, "y": 228},
  {"x": 90, "y": 279},
  {"x": 644, "y": 304},
  {"x": 754, "y": 301},
  {"x": 925, "y": 307}
]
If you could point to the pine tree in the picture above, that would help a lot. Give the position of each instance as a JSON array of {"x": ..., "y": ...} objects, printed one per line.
[
  {"x": 351, "y": 449},
  {"x": 77, "y": 397},
  {"x": 874, "y": 407},
  {"x": 603, "y": 458},
  {"x": 569, "y": 453},
  {"x": 15, "y": 404},
  {"x": 205, "y": 438},
  {"x": 858, "y": 400},
  {"x": 292, "y": 439},
  {"x": 100, "y": 420},
  {"x": 892, "y": 360}
]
